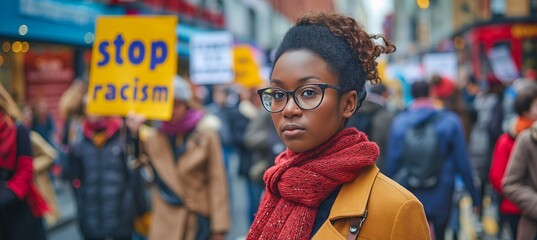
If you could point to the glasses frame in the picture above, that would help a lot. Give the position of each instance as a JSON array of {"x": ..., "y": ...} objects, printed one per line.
[{"x": 323, "y": 87}]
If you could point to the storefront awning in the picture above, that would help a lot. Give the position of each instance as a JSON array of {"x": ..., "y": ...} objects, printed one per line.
[{"x": 58, "y": 21}]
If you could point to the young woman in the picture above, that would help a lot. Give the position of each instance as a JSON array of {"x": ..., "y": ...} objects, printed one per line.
[{"x": 325, "y": 185}]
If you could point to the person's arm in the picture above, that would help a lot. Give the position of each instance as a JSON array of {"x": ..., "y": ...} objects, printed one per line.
[
  {"x": 515, "y": 183},
  {"x": 500, "y": 157},
  {"x": 44, "y": 154},
  {"x": 218, "y": 195},
  {"x": 18, "y": 185},
  {"x": 411, "y": 222}
]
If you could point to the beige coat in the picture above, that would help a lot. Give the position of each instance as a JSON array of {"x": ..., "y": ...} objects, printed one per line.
[
  {"x": 198, "y": 177},
  {"x": 44, "y": 156},
  {"x": 392, "y": 211}
]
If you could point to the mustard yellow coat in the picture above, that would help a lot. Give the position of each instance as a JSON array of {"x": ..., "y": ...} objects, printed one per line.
[{"x": 392, "y": 211}]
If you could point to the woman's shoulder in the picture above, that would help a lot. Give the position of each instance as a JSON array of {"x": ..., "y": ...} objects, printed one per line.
[
  {"x": 389, "y": 188},
  {"x": 373, "y": 189}
]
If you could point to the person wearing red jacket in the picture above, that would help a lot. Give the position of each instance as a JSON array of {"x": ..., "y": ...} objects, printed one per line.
[{"x": 509, "y": 212}]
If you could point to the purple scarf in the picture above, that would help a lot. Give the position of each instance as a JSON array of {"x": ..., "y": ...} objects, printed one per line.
[{"x": 186, "y": 124}]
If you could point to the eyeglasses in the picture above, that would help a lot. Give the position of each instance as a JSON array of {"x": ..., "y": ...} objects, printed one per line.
[{"x": 307, "y": 97}]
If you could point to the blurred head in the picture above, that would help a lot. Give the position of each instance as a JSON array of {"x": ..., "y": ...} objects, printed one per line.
[
  {"x": 531, "y": 74},
  {"x": 220, "y": 94},
  {"x": 41, "y": 110},
  {"x": 182, "y": 93},
  {"x": 419, "y": 89},
  {"x": 27, "y": 115},
  {"x": 436, "y": 79},
  {"x": 325, "y": 59},
  {"x": 526, "y": 103}
]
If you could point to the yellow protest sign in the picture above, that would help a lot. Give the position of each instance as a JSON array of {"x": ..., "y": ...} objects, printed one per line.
[
  {"x": 132, "y": 66},
  {"x": 246, "y": 69}
]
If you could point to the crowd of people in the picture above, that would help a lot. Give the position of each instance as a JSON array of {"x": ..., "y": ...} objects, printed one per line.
[{"x": 323, "y": 150}]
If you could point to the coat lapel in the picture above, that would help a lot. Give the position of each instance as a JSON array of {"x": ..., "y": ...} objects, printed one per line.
[
  {"x": 352, "y": 198},
  {"x": 350, "y": 202}
]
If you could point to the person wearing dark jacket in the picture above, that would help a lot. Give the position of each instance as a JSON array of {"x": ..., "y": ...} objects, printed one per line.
[
  {"x": 99, "y": 175},
  {"x": 21, "y": 205},
  {"x": 451, "y": 143}
]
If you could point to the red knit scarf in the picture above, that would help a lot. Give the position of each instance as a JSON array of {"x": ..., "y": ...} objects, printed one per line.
[
  {"x": 300, "y": 182},
  {"x": 8, "y": 138}
]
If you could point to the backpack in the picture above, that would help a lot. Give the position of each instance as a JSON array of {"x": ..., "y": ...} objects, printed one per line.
[{"x": 421, "y": 158}]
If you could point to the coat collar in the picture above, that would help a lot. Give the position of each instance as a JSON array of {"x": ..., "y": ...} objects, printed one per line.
[
  {"x": 350, "y": 202},
  {"x": 352, "y": 198}
]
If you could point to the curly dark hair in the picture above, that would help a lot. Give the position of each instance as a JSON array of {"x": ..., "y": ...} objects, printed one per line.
[{"x": 343, "y": 44}]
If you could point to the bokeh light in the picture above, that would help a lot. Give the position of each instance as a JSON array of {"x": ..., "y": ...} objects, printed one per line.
[
  {"x": 25, "y": 47},
  {"x": 423, "y": 4},
  {"x": 16, "y": 47},
  {"x": 6, "y": 46},
  {"x": 23, "y": 29}
]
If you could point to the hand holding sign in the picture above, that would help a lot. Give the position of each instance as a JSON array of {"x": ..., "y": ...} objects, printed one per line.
[{"x": 132, "y": 70}]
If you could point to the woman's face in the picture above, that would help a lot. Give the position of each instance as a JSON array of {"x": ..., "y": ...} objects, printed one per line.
[{"x": 302, "y": 130}]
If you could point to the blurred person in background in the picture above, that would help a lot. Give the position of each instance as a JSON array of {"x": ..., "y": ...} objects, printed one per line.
[
  {"x": 482, "y": 138},
  {"x": 451, "y": 144},
  {"x": 373, "y": 118},
  {"x": 71, "y": 108},
  {"x": 21, "y": 205},
  {"x": 190, "y": 200},
  {"x": 520, "y": 181},
  {"x": 218, "y": 107},
  {"x": 509, "y": 212},
  {"x": 44, "y": 155},
  {"x": 326, "y": 179},
  {"x": 100, "y": 176},
  {"x": 451, "y": 98},
  {"x": 528, "y": 80},
  {"x": 262, "y": 140},
  {"x": 43, "y": 123}
]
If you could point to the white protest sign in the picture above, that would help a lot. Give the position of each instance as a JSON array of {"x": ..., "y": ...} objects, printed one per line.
[
  {"x": 211, "y": 58},
  {"x": 443, "y": 64},
  {"x": 502, "y": 63}
]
